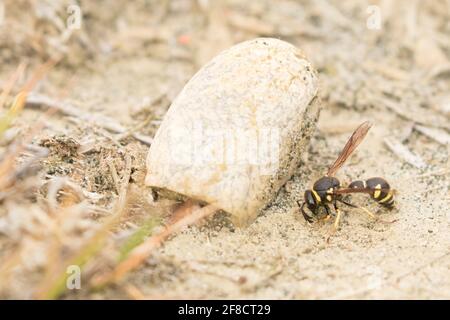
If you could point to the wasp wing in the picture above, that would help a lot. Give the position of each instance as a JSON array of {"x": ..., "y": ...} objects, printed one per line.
[
  {"x": 356, "y": 138},
  {"x": 352, "y": 190},
  {"x": 360, "y": 190}
]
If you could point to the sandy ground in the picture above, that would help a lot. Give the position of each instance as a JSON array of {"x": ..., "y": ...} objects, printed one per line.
[{"x": 365, "y": 74}]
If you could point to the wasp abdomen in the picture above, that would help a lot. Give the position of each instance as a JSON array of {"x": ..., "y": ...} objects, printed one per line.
[
  {"x": 382, "y": 192},
  {"x": 358, "y": 184}
]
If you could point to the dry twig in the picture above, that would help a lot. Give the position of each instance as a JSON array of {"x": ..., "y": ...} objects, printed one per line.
[
  {"x": 52, "y": 288},
  {"x": 401, "y": 151},
  {"x": 36, "y": 100},
  {"x": 140, "y": 253},
  {"x": 437, "y": 135}
]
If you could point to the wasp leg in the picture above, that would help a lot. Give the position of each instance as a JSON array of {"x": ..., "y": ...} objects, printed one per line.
[
  {"x": 328, "y": 216},
  {"x": 336, "y": 222},
  {"x": 371, "y": 214},
  {"x": 302, "y": 209},
  {"x": 338, "y": 219}
]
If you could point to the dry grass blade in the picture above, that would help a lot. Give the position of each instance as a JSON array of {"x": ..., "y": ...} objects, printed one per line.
[
  {"x": 10, "y": 83},
  {"x": 140, "y": 253},
  {"x": 401, "y": 151},
  {"x": 134, "y": 293},
  {"x": 8, "y": 172},
  {"x": 8, "y": 265},
  {"x": 438, "y": 135},
  {"x": 138, "y": 236},
  {"x": 415, "y": 114},
  {"x": 187, "y": 208},
  {"x": 36, "y": 100},
  {"x": 19, "y": 101},
  {"x": 52, "y": 289}
]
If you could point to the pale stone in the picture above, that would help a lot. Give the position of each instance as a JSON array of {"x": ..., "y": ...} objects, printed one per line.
[{"x": 235, "y": 133}]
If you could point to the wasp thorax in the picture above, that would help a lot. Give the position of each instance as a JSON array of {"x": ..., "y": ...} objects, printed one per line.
[{"x": 324, "y": 188}]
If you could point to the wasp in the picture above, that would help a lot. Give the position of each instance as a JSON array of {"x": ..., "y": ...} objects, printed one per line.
[{"x": 327, "y": 190}]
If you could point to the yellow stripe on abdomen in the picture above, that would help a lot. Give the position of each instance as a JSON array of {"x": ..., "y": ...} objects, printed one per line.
[
  {"x": 387, "y": 198},
  {"x": 377, "y": 192}
]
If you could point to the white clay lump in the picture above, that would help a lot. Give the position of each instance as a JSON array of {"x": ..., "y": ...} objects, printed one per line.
[{"x": 236, "y": 132}]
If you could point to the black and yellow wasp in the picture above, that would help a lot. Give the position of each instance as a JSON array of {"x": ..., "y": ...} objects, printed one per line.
[{"x": 328, "y": 191}]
